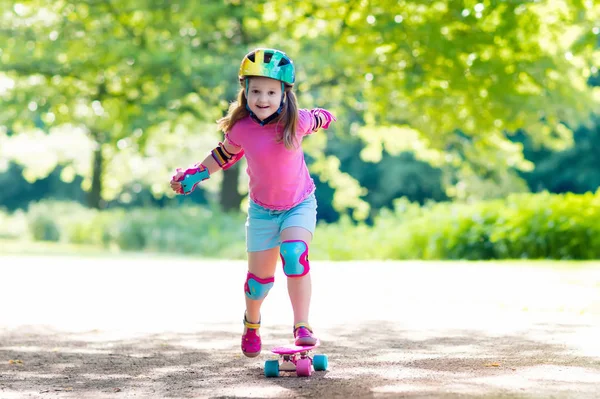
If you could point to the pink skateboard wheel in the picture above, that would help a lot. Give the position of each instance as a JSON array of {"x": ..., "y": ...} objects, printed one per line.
[{"x": 303, "y": 367}]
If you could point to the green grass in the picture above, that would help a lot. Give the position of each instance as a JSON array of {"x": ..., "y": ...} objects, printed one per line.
[
  {"x": 46, "y": 248},
  {"x": 23, "y": 247}
]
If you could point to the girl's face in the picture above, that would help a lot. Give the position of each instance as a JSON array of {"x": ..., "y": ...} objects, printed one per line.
[{"x": 264, "y": 96}]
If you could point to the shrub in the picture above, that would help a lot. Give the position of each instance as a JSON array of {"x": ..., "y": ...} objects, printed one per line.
[
  {"x": 530, "y": 226},
  {"x": 533, "y": 226},
  {"x": 13, "y": 226}
]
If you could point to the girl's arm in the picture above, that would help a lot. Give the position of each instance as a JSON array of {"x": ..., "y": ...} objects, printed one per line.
[{"x": 222, "y": 156}]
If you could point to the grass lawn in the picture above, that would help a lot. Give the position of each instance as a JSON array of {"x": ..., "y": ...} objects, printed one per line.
[{"x": 16, "y": 247}]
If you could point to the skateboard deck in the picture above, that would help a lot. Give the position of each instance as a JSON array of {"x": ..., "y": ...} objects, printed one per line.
[
  {"x": 291, "y": 349},
  {"x": 296, "y": 358}
]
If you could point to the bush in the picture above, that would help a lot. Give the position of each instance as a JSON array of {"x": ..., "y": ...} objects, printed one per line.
[
  {"x": 187, "y": 230},
  {"x": 557, "y": 226},
  {"x": 533, "y": 226},
  {"x": 345, "y": 241},
  {"x": 53, "y": 220},
  {"x": 13, "y": 226},
  {"x": 42, "y": 225}
]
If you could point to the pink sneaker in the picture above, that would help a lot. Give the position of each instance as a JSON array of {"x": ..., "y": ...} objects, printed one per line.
[
  {"x": 251, "y": 343},
  {"x": 304, "y": 335}
]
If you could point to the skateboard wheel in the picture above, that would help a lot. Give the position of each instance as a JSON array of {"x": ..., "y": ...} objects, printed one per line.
[
  {"x": 303, "y": 367},
  {"x": 320, "y": 362},
  {"x": 272, "y": 368}
]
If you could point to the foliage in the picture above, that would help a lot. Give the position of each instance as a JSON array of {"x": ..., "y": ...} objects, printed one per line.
[
  {"x": 391, "y": 177},
  {"x": 135, "y": 86},
  {"x": 574, "y": 169},
  {"x": 533, "y": 226},
  {"x": 452, "y": 80},
  {"x": 185, "y": 229},
  {"x": 14, "y": 225},
  {"x": 17, "y": 192},
  {"x": 56, "y": 221},
  {"x": 123, "y": 82}
]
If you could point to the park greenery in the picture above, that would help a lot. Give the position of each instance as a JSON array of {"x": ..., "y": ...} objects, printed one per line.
[
  {"x": 466, "y": 129},
  {"x": 567, "y": 226}
]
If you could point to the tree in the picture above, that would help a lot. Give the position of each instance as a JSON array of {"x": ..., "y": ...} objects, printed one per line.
[
  {"x": 127, "y": 72},
  {"x": 574, "y": 169},
  {"x": 452, "y": 80}
]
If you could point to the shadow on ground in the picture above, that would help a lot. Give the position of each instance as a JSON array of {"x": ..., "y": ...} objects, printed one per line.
[{"x": 371, "y": 360}]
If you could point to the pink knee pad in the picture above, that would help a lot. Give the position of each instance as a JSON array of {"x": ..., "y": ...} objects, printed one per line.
[
  {"x": 257, "y": 288},
  {"x": 294, "y": 256}
]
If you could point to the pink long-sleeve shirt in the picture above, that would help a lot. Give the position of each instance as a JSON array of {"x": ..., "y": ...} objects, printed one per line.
[{"x": 279, "y": 177}]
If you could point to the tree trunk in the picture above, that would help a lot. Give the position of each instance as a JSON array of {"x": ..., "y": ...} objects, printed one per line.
[
  {"x": 230, "y": 197},
  {"x": 95, "y": 194}
]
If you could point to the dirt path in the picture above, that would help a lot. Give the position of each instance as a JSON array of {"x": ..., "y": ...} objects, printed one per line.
[{"x": 169, "y": 328}]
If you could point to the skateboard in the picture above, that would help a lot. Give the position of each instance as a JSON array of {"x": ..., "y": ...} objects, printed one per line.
[{"x": 295, "y": 358}]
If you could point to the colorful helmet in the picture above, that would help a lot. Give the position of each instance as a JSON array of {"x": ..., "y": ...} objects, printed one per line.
[{"x": 269, "y": 63}]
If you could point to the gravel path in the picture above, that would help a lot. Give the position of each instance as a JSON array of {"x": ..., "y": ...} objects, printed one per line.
[{"x": 159, "y": 327}]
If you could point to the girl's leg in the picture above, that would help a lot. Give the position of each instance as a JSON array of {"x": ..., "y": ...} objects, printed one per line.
[
  {"x": 262, "y": 264},
  {"x": 261, "y": 267},
  {"x": 299, "y": 288}
]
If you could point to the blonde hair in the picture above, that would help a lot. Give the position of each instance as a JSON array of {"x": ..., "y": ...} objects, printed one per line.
[{"x": 289, "y": 116}]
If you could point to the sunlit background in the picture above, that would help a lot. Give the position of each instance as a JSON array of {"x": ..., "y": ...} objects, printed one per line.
[
  {"x": 466, "y": 130},
  {"x": 466, "y": 142}
]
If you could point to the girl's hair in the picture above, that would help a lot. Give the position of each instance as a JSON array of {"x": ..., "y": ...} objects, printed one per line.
[{"x": 288, "y": 116}]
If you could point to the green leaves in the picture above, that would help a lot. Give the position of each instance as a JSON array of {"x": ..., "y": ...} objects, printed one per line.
[
  {"x": 448, "y": 80},
  {"x": 118, "y": 70},
  {"x": 483, "y": 68}
]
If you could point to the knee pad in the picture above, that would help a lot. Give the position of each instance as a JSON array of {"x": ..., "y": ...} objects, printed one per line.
[
  {"x": 294, "y": 256},
  {"x": 257, "y": 288}
]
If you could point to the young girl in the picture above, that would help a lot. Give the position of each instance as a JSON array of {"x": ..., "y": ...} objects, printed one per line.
[{"x": 267, "y": 127}]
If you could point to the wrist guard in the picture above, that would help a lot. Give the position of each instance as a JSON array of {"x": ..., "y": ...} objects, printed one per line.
[{"x": 192, "y": 177}]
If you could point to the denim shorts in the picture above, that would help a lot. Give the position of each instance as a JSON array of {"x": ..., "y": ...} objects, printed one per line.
[{"x": 264, "y": 226}]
